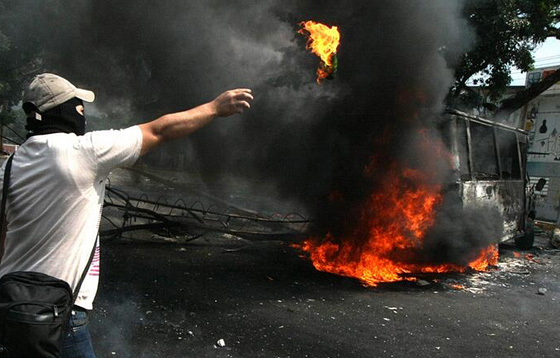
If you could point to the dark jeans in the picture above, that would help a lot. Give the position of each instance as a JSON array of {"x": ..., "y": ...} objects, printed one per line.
[{"x": 77, "y": 343}]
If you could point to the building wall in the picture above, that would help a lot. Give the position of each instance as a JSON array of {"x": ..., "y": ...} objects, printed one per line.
[{"x": 542, "y": 120}]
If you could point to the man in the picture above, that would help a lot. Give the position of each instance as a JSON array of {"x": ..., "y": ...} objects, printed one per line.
[{"x": 57, "y": 185}]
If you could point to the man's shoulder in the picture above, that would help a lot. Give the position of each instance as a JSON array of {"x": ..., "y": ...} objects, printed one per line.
[
  {"x": 115, "y": 146},
  {"x": 112, "y": 131},
  {"x": 108, "y": 136}
]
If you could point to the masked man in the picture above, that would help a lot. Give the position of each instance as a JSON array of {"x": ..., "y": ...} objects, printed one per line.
[{"x": 57, "y": 185}]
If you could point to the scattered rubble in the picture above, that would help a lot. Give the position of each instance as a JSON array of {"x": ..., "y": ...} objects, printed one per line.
[{"x": 513, "y": 264}]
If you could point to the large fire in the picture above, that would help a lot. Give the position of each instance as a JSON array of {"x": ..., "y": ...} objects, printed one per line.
[
  {"x": 392, "y": 225},
  {"x": 323, "y": 41}
]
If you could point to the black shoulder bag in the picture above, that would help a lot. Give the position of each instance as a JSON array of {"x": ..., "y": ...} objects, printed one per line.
[{"x": 34, "y": 307}]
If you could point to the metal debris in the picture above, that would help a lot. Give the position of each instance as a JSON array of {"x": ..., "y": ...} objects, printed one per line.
[{"x": 182, "y": 223}]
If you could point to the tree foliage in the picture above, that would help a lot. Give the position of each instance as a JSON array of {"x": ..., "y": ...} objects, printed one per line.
[
  {"x": 21, "y": 51},
  {"x": 506, "y": 31},
  {"x": 27, "y": 41},
  {"x": 504, "y": 34}
]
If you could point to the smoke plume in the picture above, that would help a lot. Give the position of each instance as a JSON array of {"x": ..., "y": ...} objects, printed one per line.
[{"x": 308, "y": 142}]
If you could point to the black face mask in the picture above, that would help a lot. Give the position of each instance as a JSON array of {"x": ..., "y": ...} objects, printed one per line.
[{"x": 63, "y": 118}]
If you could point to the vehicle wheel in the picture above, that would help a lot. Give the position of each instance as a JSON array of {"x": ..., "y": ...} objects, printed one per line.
[{"x": 526, "y": 241}]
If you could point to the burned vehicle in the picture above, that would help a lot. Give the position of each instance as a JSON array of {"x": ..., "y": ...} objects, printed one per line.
[
  {"x": 490, "y": 162},
  {"x": 489, "y": 165}
]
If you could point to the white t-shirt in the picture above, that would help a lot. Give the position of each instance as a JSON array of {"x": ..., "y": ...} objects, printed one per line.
[{"x": 54, "y": 203}]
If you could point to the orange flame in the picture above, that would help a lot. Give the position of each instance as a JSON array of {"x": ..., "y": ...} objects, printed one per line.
[
  {"x": 456, "y": 286},
  {"x": 393, "y": 222},
  {"x": 323, "y": 41}
]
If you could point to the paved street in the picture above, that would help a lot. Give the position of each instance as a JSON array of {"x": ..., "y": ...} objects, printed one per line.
[{"x": 221, "y": 297}]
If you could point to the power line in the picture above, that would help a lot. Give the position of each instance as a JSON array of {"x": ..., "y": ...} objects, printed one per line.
[
  {"x": 15, "y": 132},
  {"x": 9, "y": 139}
]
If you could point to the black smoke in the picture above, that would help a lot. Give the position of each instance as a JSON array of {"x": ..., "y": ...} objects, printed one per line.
[{"x": 308, "y": 142}]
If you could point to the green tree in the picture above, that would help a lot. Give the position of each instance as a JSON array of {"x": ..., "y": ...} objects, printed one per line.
[
  {"x": 506, "y": 31},
  {"x": 21, "y": 54}
]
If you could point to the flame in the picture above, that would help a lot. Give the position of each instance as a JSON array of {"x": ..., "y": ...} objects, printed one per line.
[
  {"x": 323, "y": 41},
  {"x": 487, "y": 257},
  {"x": 456, "y": 286},
  {"x": 392, "y": 225},
  {"x": 531, "y": 257}
]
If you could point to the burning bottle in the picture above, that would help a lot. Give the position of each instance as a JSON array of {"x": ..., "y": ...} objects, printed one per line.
[{"x": 323, "y": 41}]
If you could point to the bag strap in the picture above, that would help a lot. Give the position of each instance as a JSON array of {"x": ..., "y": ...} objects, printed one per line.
[
  {"x": 7, "y": 172},
  {"x": 84, "y": 274}
]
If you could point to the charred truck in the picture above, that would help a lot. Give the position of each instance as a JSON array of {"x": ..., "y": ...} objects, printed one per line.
[{"x": 490, "y": 160}]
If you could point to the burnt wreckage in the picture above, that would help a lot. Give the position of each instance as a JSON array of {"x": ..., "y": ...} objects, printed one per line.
[{"x": 489, "y": 160}]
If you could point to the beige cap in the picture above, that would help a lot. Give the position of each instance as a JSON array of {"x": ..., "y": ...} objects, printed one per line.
[{"x": 48, "y": 90}]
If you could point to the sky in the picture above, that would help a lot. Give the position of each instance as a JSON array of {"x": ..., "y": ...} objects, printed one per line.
[{"x": 547, "y": 54}]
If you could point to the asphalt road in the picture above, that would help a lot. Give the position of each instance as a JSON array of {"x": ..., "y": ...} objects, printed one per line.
[{"x": 221, "y": 297}]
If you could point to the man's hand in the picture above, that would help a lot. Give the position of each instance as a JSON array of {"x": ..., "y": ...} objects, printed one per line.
[
  {"x": 232, "y": 102},
  {"x": 176, "y": 125}
]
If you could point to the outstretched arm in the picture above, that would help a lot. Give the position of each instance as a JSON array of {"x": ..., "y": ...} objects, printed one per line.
[{"x": 180, "y": 124}]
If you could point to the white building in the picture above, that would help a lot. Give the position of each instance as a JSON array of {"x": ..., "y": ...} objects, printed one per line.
[{"x": 542, "y": 120}]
